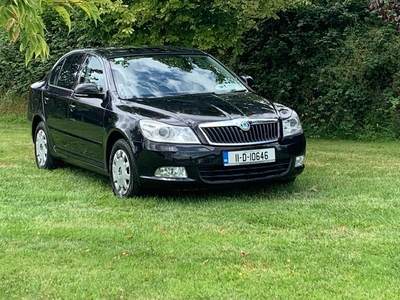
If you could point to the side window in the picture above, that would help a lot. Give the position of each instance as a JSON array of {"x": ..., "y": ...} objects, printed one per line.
[
  {"x": 69, "y": 71},
  {"x": 93, "y": 72},
  {"x": 56, "y": 73}
]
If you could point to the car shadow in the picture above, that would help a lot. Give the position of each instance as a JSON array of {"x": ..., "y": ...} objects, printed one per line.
[{"x": 242, "y": 191}]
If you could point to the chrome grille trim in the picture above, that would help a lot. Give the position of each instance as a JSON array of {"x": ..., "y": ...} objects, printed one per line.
[{"x": 229, "y": 132}]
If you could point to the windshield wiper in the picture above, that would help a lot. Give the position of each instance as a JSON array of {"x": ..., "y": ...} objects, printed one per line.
[{"x": 231, "y": 91}]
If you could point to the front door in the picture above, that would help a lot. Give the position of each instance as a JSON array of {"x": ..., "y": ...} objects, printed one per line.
[{"x": 86, "y": 116}]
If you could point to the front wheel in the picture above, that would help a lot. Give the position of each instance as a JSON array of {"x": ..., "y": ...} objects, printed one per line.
[
  {"x": 43, "y": 157},
  {"x": 123, "y": 171}
]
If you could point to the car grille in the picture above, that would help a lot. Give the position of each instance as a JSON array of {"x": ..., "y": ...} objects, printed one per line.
[
  {"x": 243, "y": 173},
  {"x": 233, "y": 135}
]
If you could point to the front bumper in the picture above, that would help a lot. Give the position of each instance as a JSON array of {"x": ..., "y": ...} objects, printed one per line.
[{"x": 204, "y": 164}]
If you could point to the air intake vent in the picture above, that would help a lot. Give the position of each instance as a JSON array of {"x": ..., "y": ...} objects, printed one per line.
[{"x": 243, "y": 173}]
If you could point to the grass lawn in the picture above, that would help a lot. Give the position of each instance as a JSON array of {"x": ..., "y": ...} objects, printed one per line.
[{"x": 333, "y": 234}]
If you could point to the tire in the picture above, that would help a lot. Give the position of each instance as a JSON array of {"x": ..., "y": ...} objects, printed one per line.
[
  {"x": 43, "y": 157},
  {"x": 123, "y": 170}
]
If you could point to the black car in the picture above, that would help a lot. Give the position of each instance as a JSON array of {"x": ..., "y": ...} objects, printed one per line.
[{"x": 161, "y": 117}]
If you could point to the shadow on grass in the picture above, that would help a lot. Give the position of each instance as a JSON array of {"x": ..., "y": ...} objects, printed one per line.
[
  {"x": 265, "y": 190},
  {"x": 242, "y": 192}
]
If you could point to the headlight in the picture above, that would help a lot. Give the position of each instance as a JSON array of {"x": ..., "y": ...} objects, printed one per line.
[
  {"x": 164, "y": 133},
  {"x": 292, "y": 125}
]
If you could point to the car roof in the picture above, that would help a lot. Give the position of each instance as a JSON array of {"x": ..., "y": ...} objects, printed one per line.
[{"x": 139, "y": 50}]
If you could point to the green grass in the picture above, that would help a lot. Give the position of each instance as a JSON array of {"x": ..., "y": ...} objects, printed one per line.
[{"x": 334, "y": 234}]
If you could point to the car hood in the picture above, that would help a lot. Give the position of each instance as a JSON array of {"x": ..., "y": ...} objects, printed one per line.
[{"x": 199, "y": 108}]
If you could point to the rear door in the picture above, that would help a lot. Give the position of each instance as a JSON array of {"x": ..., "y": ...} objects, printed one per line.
[{"x": 57, "y": 99}]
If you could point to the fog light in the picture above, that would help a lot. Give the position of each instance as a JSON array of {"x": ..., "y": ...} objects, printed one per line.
[
  {"x": 299, "y": 161},
  {"x": 171, "y": 172}
]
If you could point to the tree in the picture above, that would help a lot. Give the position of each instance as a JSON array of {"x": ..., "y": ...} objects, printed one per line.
[
  {"x": 215, "y": 25},
  {"x": 22, "y": 20},
  {"x": 211, "y": 24}
]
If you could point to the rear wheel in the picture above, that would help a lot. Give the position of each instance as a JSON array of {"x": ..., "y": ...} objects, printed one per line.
[
  {"x": 123, "y": 171},
  {"x": 43, "y": 157}
]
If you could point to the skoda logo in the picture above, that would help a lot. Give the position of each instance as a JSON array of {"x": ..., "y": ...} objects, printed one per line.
[{"x": 244, "y": 125}]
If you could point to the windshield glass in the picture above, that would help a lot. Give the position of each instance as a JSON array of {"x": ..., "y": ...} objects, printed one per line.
[{"x": 167, "y": 75}]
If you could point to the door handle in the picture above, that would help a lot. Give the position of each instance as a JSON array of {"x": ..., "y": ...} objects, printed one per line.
[
  {"x": 46, "y": 99},
  {"x": 72, "y": 107}
]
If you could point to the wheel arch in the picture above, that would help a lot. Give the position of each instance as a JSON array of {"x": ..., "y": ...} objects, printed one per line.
[
  {"x": 112, "y": 138},
  {"x": 35, "y": 122}
]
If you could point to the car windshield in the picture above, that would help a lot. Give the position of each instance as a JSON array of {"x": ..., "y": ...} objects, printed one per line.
[{"x": 167, "y": 75}]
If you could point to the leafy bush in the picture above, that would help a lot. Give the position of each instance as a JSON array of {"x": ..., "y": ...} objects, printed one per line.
[
  {"x": 16, "y": 75},
  {"x": 332, "y": 61}
]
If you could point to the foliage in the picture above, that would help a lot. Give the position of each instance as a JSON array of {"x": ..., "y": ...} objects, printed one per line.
[
  {"x": 333, "y": 62},
  {"x": 387, "y": 11},
  {"x": 215, "y": 25},
  {"x": 189, "y": 23},
  {"x": 357, "y": 91},
  {"x": 16, "y": 75},
  {"x": 22, "y": 20},
  {"x": 201, "y": 24}
]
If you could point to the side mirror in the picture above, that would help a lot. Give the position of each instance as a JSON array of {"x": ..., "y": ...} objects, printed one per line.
[
  {"x": 88, "y": 90},
  {"x": 248, "y": 80}
]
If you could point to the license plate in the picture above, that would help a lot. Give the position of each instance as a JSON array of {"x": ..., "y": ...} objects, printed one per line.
[{"x": 256, "y": 156}]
